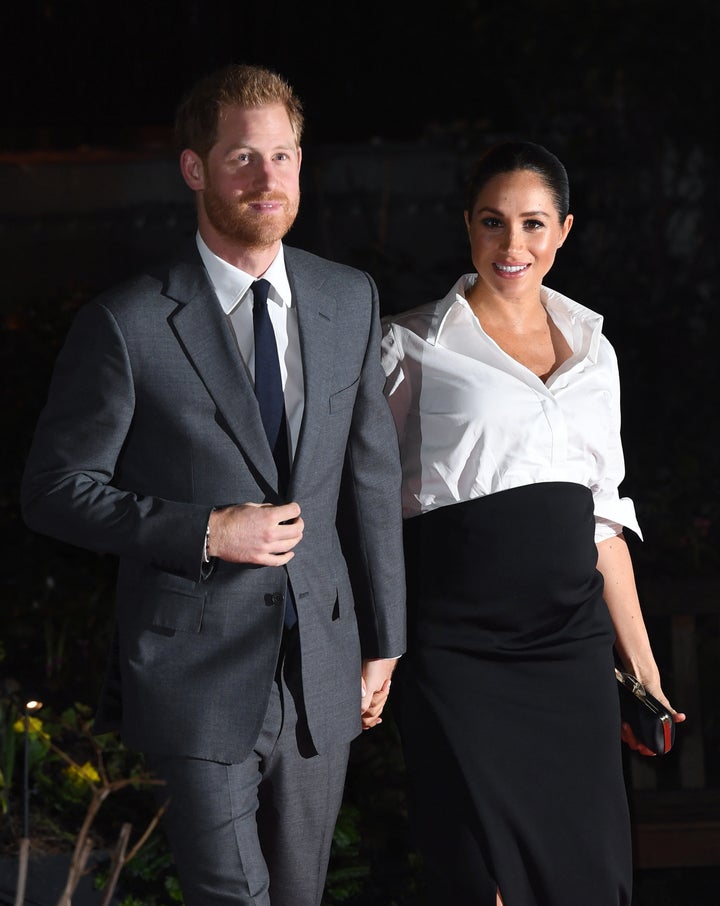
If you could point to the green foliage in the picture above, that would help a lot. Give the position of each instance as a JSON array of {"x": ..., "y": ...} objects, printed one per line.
[
  {"x": 372, "y": 859},
  {"x": 8, "y": 716},
  {"x": 72, "y": 774},
  {"x": 149, "y": 879},
  {"x": 64, "y": 788},
  {"x": 348, "y": 870}
]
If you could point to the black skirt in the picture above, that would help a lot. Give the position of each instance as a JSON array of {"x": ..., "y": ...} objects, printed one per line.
[{"x": 507, "y": 705}]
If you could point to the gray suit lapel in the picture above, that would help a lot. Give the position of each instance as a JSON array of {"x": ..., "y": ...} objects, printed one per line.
[
  {"x": 207, "y": 339},
  {"x": 316, "y": 313}
]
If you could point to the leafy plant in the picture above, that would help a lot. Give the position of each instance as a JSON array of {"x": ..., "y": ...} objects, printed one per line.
[{"x": 76, "y": 772}]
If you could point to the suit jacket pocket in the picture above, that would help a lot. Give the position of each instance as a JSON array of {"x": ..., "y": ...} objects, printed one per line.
[
  {"x": 150, "y": 599},
  {"x": 174, "y": 611},
  {"x": 182, "y": 613}
]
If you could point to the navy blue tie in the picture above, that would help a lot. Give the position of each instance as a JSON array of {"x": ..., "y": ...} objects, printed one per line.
[
  {"x": 270, "y": 397},
  {"x": 268, "y": 383}
]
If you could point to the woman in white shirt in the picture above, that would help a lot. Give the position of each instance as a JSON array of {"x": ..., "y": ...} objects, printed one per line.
[{"x": 521, "y": 591}]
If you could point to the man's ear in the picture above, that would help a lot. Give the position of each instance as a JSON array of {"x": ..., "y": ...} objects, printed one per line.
[{"x": 191, "y": 167}]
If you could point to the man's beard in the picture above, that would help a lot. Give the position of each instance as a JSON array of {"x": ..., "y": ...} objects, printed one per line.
[{"x": 235, "y": 221}]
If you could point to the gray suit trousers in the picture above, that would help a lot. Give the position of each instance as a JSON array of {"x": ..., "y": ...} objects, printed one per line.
[{"x": 257, "y": 833}]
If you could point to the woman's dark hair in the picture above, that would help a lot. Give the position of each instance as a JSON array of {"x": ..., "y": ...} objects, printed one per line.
[{"x": 507, "y": 157}]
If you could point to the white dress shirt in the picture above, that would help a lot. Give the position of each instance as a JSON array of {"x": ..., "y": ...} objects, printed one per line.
[
  {"x": 233, "y": 288},
  {"x": 471, "y": 420}
]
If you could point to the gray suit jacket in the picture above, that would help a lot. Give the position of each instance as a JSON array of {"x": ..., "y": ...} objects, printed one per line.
[{"x": 150, "y": 422}]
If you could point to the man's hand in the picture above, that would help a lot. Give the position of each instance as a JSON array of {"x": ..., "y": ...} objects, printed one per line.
[
  {"x": 375, "y": 689},
  {"x": 258, "y": 533}
]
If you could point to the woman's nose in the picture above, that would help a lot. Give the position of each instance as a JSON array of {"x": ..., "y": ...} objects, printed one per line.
[{"x": 512, "y": 238}]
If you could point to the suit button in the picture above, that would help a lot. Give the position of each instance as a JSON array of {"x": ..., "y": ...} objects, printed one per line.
[{"x": 278, "y": 599}]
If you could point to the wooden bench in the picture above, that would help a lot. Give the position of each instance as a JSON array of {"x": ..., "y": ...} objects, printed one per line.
[{"x": 674, "y": 805}]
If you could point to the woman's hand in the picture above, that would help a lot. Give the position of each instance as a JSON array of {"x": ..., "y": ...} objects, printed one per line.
[{"x": 629, "y": 738}]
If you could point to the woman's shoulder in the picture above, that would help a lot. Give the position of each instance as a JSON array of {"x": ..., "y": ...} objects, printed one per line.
[
  {"x": 591, "y": 323},
  {"x": 555, "y": 300},
  {"x": 412, "y": 318},
  {"x": 421, "y": 319}
]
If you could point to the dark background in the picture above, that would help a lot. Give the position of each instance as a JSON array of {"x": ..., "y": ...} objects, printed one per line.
[
  {"x": 398, "y": 101},
  {"x": 82, "y": 72}
]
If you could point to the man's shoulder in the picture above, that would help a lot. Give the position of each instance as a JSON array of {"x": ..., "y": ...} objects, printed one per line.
[
  {"x": 147, "y": 281},
  {"x": 301, "y": 260},
  {"x": 162, "y": 279}
]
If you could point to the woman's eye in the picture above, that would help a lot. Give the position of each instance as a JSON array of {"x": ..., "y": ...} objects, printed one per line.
[
  {"x": 492, "y": 223},
  {"x": 534, "y": 224}
]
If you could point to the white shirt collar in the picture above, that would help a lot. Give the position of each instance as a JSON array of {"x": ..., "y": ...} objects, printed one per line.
[
  {"x": 582, "y": 326},
  {"x": 231, "y": 284}
]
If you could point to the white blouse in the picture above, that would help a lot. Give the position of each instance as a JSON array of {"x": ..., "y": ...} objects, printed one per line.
[{"x": 471, "y": 420}]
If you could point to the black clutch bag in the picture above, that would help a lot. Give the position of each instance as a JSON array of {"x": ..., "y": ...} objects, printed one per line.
[{"x": 650, "y": 721}]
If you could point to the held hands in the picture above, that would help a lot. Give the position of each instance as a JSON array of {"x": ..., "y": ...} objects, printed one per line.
[
  {"x": 265, "y": 535},
  {"x": 258, "y": 533},
  {"x": 375, "y": 686}
]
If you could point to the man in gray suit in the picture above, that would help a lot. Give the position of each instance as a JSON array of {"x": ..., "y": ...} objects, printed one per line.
[{"x": 245, "y": 660}]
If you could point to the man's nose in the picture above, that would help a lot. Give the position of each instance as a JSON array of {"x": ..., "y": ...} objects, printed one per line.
[{"x": 264, "y": 173}]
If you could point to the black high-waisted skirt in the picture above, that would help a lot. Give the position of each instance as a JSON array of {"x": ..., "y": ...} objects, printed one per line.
[{"x": 507, "y": 705}]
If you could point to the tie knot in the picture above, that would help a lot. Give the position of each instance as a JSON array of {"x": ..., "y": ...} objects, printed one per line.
[{"x": 260, "y": 289}]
